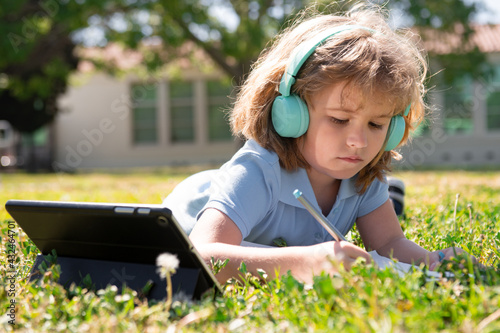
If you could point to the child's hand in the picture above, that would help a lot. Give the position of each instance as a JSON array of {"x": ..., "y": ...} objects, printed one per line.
[
  {"x": 324, "y": 257},
  {"x": 341, "y": 252},
  {"x": 438, "y": 256},
  {"x": 348, "y": 253}
]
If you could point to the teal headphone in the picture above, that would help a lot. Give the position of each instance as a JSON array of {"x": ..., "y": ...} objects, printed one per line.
[{"x": 290, "y": 115}]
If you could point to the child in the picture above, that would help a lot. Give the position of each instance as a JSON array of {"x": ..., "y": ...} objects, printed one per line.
[{"x": 321, "y": 111}]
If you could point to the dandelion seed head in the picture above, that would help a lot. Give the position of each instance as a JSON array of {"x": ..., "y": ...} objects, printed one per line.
[{"x": 167, "y": 264}]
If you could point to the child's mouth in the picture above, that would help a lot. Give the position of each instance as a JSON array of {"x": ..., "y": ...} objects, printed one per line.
[{"x": 351, "y": 159}]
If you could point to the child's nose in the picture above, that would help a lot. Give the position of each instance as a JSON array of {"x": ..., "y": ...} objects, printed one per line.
[{"x": 357, "y": 138}]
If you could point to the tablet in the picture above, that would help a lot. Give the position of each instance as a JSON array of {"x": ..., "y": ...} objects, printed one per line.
[{"x": 111, "y": 235}]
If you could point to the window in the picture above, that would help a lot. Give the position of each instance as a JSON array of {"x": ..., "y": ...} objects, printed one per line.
[
  {"x": 182, "y": 103},
  {"x": 457, "y": 110},
  {"x": 493, "y": 102},
  {"x": 144, "y": 114},
  {"x": 218, "y": 102},
  {"x": 493, "y": 105},
  {"x": 184, "y": 113}
]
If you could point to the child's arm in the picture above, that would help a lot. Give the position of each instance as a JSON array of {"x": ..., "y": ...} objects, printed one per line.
[
  {"x": 216, "y": 235},
  {"x": 380, "y": 230}
]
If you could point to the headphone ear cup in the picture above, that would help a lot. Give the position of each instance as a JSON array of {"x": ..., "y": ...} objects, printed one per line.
[
  {"x": 290, "y": 116},
  {"x": 395, "y": 132}
]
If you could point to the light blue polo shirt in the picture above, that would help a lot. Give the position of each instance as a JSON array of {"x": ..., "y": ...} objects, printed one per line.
[{"x": 257, "y": 195}]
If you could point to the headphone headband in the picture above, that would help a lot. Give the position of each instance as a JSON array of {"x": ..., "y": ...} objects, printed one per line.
[
  {"x": 304, "y": 50},
  {"x": 290, "y": 115},
  {"x": 407, "y": 110}
]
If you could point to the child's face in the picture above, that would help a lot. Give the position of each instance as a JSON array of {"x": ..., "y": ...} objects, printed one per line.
[{"x": 346, "y": 131}]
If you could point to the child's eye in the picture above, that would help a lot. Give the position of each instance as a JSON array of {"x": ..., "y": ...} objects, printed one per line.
[
  {"x": 339, "y": 121},
  {"x": 376, "y": 126}
]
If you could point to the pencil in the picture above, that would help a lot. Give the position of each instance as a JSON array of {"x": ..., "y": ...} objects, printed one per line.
[{"x": 319, "y": 216}]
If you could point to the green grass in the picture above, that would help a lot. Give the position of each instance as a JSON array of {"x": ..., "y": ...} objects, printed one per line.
[{"x": 365, "y": 299}]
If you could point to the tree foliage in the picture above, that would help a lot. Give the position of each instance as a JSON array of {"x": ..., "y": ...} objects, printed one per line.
[
  {"x": 38, "y": 56},
  {"x": 437, "y": 21},
  {"x": 40, "y": 36}
]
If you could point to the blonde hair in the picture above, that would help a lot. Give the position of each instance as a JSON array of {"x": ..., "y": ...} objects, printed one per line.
[{"x": 382, "y": 63}]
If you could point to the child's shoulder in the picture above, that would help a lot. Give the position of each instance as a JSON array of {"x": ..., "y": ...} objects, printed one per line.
[
  {"x": 254, "y": 162},
  {"x": 252, "y": 151},
  {"x": 375, "y": 195}
]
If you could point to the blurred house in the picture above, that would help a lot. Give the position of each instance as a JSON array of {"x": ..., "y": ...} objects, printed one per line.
[
  {"x": 178, "y": 117},
  {"x": 32, "y": 152},
  {"x": 464, "y": 127},
  {"x": 8, "y": 137}
]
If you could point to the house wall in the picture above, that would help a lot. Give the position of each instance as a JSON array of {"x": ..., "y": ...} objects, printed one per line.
[
  {"x": 94, "y": 130},
  {"x": 438, "y": 148}
]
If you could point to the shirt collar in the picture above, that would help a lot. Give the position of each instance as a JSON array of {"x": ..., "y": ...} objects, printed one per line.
[
  {"x": 292, "y": 180},
  {"x": 348, "y": 188}
]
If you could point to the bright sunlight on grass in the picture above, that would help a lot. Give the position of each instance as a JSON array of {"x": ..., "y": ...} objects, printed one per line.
[{"x": 443, "y": 208}]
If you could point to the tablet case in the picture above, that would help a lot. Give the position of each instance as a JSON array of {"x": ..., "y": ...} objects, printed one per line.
[{"x": 114, "y": 244}]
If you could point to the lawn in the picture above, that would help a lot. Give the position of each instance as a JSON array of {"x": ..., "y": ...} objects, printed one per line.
[{"x": 443, "y": 208}]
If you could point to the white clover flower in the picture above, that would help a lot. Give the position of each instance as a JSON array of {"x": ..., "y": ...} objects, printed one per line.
[{"x": 167, "y": 264}]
